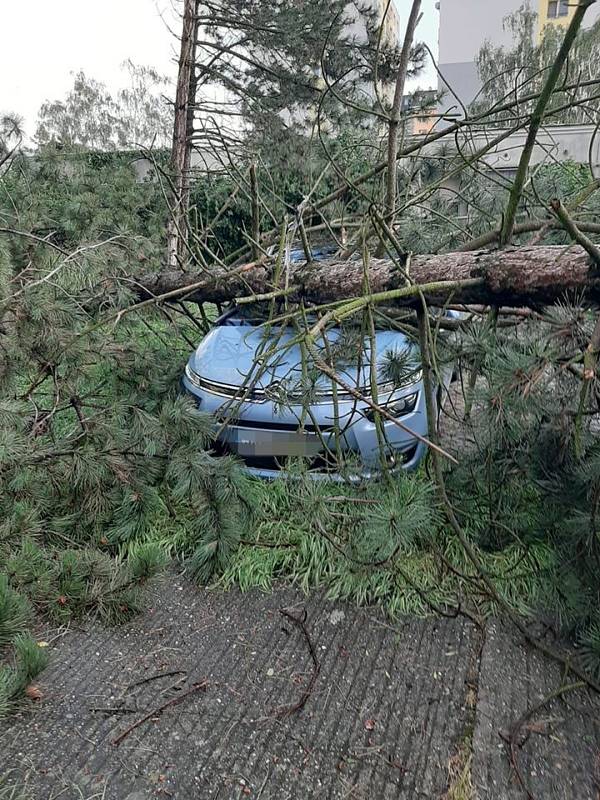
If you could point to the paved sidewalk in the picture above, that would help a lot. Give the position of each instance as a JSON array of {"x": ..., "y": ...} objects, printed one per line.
[
  {"x": 391, "y": 707},
  {"x": 558, "y": 750}
]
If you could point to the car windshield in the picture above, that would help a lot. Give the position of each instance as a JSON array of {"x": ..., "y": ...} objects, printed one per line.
[{"x": 247, "y": 314}]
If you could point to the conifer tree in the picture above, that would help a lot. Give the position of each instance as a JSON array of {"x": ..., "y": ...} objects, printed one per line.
[{"x": 277, "y": 68}]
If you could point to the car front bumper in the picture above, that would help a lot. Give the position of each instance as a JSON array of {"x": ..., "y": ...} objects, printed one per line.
[{"x": 264, "y": 435}]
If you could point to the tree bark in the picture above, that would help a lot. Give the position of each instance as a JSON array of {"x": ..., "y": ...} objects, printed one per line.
[
  {"x": 182, "y": 130},
  {"x": 520, "y": 276},
  {"x": 396, "y": 114}
]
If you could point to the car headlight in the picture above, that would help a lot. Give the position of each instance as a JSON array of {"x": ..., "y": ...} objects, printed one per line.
[
  {"x": 397, "y": 408},
  {"x": 389, "y": 387}
]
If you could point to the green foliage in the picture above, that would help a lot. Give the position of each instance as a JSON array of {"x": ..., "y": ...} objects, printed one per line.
[
  {"x": 273, "y": 59},
  {"x": 530, "y": 482},
  {"x": 288, "y": 162},
  {"x": 526, "y": 62},
  {"x": 144, "y": 560},
  {"x": 99, "y": 450},
  {"x": 89, "y": 116},
  {"x": 403, "y": 515},
  {"x": 222, "y": 501},
  {"x": 399, "y": 366},
  {"x": 15, "y": 612},
  {"x": 208, "y": 196},
  {"x": 81, "y": 198},
  {"x": 589, "y": 653},
  {"x": 67, "y": 584},
  {"x": 380, "y": 544},
  {"x": 28, "y": 661}
]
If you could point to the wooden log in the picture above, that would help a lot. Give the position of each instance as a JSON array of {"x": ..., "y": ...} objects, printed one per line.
[{"x": 519, "y": 276}]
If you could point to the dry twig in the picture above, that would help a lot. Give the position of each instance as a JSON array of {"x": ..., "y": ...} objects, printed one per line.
[
  {"x": 300, "y": 622},
  {"x": 155, "y": 712}
]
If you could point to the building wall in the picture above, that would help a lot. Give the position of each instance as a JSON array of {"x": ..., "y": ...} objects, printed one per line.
[
  {"x": 555, "y": 144},
  {"x": 424, "y": 101},
  {"x": 544, "y": 18},
  {"x": 466, "y": 24}
]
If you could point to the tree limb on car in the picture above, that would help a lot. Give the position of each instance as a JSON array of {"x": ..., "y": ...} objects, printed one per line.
[{"x": 520, "y": 276}]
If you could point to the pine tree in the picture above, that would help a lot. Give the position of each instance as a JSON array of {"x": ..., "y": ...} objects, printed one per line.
[
  {"x": 279, "y": 68},
  {"x": 103, "y": 463}
]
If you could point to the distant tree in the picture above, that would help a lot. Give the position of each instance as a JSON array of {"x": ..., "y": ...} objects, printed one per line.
[
  {"x": 92, "y": 117},
  {"x": 11, "y": 136},
  {"x": 145, "y": 108},
  {"x": 498, "y": 67},
  {"x": 523, "y": 66}
]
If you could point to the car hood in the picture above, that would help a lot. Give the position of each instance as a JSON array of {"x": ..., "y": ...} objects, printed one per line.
[{"x": 227, "y": 354}]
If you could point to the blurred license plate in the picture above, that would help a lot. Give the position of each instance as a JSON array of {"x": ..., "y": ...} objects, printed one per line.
[{"x": 252, "y": 442}]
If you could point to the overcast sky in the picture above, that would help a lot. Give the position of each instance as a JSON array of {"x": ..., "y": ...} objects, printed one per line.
[{"x": 42, "y": 42}]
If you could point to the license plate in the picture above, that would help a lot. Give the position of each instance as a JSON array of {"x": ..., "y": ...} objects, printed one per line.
[{"x": 252, "y": 442}]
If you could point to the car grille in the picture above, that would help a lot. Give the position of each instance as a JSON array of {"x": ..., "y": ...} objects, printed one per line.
[
  {"x": 275, "y": 426},
  {"x": 257, "y": 394}
]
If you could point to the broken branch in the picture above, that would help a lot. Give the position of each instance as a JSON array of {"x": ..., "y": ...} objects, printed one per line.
[
  {"x": 195, "y": 687},
  {"x": 300, "y": 622}
]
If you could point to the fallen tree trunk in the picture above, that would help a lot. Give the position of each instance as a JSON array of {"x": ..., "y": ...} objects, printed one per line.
[{"x": 520, "y": 276}]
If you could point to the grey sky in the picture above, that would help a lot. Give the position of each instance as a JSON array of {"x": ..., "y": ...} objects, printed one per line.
[
  {"x": 426, "y": 32},
  {"x": 43, "y": 41}
]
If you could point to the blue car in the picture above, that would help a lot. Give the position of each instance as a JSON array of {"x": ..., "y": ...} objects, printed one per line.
[{"x": 269, "y": 407}]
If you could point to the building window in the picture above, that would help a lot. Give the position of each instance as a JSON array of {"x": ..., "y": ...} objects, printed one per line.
[{"x": 558, "y": 8}]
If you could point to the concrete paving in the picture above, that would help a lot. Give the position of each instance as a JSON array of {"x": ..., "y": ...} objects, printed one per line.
[
  {"x": 557, "y": 752},
  {"x": 390, "y": 708}
]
